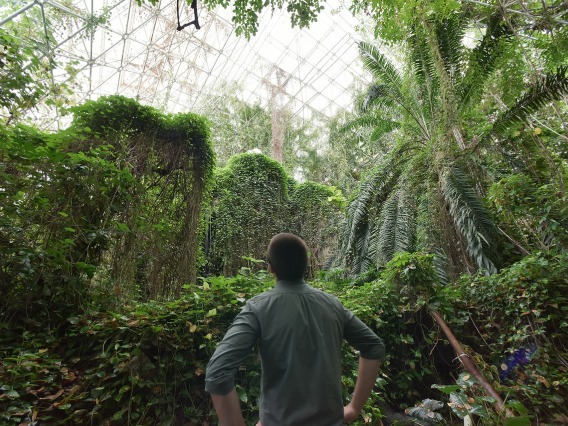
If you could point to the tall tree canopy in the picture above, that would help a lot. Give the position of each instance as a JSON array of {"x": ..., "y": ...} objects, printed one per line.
[{"x": 426, "y": 192}]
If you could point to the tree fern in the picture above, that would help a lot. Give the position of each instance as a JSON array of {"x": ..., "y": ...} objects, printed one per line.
[{"x": 470, "y": 217}]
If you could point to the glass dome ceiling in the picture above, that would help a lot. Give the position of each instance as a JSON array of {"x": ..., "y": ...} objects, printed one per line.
[{"x": 105, "y": 47}]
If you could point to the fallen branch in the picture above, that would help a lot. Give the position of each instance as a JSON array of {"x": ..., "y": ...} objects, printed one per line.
[{"x": 469, "y": 364}]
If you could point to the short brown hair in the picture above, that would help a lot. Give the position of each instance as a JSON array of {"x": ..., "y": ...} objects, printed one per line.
[{"x": 288, "y": 256}]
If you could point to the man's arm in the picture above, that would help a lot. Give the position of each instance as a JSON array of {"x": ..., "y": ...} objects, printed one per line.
[
  {"x": 228, "y": 409},
  {"x": 372, "y": 350},
  {"x": 229, "y": 355},
  {"x": 368, "y": 371}
]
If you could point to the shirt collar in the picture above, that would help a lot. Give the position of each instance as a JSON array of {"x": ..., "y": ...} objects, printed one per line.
[{"x": 288, "y": 284}]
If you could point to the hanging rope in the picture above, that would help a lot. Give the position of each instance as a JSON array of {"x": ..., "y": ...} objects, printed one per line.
[{"x": 194, "y": 22}]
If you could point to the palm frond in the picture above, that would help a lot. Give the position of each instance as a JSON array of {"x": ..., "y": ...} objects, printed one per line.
[
  {"x": 371, "y": 120},
  {"x": 550, "y": 87},
  {"x": 441, "y": 267},
  {"x": 406, "y": 223},
  {"x": 377, "y": 95},
  {"x": 422, "y": 60},
  {"x": 361, "y": 212},
  {"x": 470, "y": 217},
  {"x": 396, "y": 232},
  {"x": 483, "y": 60},
  {"x": 449, "y": 36},
  {"x": 380, "y": 67},
  {"x": 386, "y": 236},
  {"x": 426, "y": 93},
  {"x": 364, "y": 262}
]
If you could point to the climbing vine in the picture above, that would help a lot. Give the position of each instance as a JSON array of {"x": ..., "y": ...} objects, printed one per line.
[
  {"x": 249, "y": 207},
  {"x": 316, "y": 211},
  {"x": 254, "y": 199},
  {"x": 84, "y": 208}
]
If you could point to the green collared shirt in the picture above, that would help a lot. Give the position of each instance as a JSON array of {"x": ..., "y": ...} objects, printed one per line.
[{"x": 299, "y": 330}]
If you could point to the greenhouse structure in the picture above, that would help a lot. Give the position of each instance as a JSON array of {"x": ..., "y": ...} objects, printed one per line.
[{"x": 283, "y": 212}]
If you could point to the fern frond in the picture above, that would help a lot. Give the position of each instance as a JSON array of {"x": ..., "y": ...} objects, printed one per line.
[
  {"x": 470, "y": 217},
  {"x": 549, "y": 88}
]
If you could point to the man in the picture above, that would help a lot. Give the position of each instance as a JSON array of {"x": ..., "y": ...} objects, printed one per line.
[{"x": 299, "y": 330}]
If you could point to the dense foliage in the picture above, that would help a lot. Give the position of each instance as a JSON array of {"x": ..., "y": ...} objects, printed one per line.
[
  {"x": 145, "y": 365},
  {"x": 254, "y": 199},
  {"x": 246, "y": 14},
  {"x": 114, "y": 232},
  {"x": 442, "y": 153},
  {"x": 78, "y": 203},
  {"x": 249, "y": 207}
]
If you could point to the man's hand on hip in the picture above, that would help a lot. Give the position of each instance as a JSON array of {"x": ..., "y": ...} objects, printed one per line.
[{"x": 350, "y": 414}]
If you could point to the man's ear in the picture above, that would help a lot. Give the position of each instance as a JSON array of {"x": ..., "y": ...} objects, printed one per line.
[{"x": 270, "y": 271}]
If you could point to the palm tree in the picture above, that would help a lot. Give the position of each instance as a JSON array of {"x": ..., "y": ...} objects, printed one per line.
[{"x": 425, "y": 193}]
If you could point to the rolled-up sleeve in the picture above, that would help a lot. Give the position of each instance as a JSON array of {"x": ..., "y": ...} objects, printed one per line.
[
  {"x": 362, "y": 337},
  {"x": 231, "y": 352}
]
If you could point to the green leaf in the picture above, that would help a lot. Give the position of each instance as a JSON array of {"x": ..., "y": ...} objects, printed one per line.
[
  {"x": 466, "y": 380},
  {"x": 518, "y": 406},
  {"x": 118, "y": 415},
  {"x": 73, "y": 320},
  {"x": 12, "y": 394},
  {"x": 212, "y": 313},
  {"x": 459, "y": 404},
  {"x": 124, "y": 389},
  {"x": 447, "y": 389},
  {"x": 518, "y": 421},
  {"x": 96, "y": 392},
  {"x": 242, "y": 395}
]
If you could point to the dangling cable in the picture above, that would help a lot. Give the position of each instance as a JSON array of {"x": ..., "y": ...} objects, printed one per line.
[{"x": 194, "y": 22}]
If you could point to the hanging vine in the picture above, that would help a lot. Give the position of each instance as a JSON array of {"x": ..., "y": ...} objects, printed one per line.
[{"x": 113, "y": 202}]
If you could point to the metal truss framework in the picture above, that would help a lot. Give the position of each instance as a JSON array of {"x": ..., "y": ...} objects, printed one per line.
[{"x": 117, "y": 47}]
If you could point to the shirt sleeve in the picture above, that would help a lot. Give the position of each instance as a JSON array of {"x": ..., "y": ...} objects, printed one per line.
[
  {"x": 231, "y": 352},
  {"x": 362, "y": 337}
]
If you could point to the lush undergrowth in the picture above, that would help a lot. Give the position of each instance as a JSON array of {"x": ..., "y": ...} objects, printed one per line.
[{"x": 145, "y": 365}]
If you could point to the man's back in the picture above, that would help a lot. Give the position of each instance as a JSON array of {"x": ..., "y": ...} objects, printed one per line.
[
  {"x": 300, "y": 345},
  {"x": 300, "y": 331}
]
